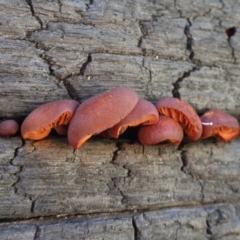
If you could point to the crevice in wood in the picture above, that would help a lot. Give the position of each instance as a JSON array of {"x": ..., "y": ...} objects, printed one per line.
[
  {"x": 125, "y": 211},
  {"x": 115, "y": 180},
  {"x": 190, "y": 39},
  {"x": 177, "y": 229},
  {"x": 176, "y": 85},
  {"x": 88, "y": 4},
  {"x": 143, "y": 34},
  {"x": 37, "y": 233},
  {"x": 208, "y": 229},
  {"x": 116, "y": 152},
  {"x": 85, "y": 64},
  {"x": 115, "y": 185},
  {"x": 33, "y": 205},
  {"x": 137, "y": 233},
  {"x": 230, "y": 43},
  {"x": 72, "y": 92},
  {"x": 179, "y": 11},
  {"x": 14, "y": 185},
  {"x": 202, "y": 189},
  {"x": 185, "y": 170},
  {"x": 60, "y": 5},
  {"x": 29, "y": 2}
]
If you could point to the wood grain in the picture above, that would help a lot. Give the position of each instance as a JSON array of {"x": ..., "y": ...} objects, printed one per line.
[{"x": 109, "y": 189}]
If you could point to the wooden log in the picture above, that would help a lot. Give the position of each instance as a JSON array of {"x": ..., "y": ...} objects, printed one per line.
[
  {"x": 59, "y": 49},
  {"x": 46, "y": 178},
  {"x": 213, "y": 222}
]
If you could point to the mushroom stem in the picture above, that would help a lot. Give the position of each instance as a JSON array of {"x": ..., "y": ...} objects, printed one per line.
[{"x": 207, "y": 123}]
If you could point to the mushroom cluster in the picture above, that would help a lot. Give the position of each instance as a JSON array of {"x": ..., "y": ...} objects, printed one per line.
[{"x": 111, "y": 112}]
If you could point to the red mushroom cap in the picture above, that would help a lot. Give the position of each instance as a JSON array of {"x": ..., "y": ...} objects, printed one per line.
[
  {"x": 8, "y": 128},
  {"x": 183, "y": 113},
  {"x": 165, "y": 129},
  {"x": 219, "y": 124},
  {"x": 41, "y": 120},
  {"x": 143, "y": 113},
  {"x": 99, "y": 113},
  {"x": 61, "y": 130}
]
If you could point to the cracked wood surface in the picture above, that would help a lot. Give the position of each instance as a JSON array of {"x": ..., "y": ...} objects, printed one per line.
[
  {"x": 215, "y": 222},
  {"x": 59, "y": 49}
]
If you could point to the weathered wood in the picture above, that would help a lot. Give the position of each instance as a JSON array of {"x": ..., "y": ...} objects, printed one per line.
[
  {"x": 215, "y": 222},
  {"x": 74, "y": 49},
  {"x": 47, "y": 178}
]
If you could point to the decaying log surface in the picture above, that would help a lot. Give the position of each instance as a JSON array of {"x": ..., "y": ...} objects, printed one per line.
[{"x": 119, "y": 189}]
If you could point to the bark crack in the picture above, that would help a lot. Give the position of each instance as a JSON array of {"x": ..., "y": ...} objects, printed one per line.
[
  {"x": 115, "y": 181},
  {"x": 37, "y": 233},
  {"x": 185, "y": 171},
  {"x": 72, "y": 92},
  {"x": 202, "y": 189},
  {"x": 176, "y": 85},
  {"x": 137, "y": 233},
  {"x": 208, "y": 228},
  {"x": 177, "y": 229},
  {"x": 190, "y": 39},
  {"x": 85, "y": 64},
  {"x": 16, "y": 174},
  {"x": 88, "y": 4},
  {"x": 60, "y": 5},
  {"x": 230, "y": 32},
  {"x": 33, "y": 205},
  {"x": 29, "y": 2}
]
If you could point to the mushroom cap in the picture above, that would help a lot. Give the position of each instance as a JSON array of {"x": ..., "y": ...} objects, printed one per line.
[
  {"x": 99, "y": 113},
  {"x": 183, "y": 113},
  {"x": 41, "y": 120},
  {"x": 143, "y": 113},
  {"x": 219, "y": 124},
  {"x": 166, "y": 129},
  {"x": 8, "y": 128},
  {"x": 61, "y": 130}
]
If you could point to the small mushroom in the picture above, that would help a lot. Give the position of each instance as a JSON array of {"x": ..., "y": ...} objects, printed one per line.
[
  {"x": 143, "y": 113},
  {"x": 220, "y": 125},
  {"x": 99, "y": 113},
  {"x": 166, "y": 129},
  {"x": 183, "y": 113},
  {"x": 41, "y": 120},
  {"x": 8, "y": 128}
]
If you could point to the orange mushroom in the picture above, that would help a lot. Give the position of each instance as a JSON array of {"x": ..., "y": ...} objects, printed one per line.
[
  {"x": 220, "y": 125},
  {"x": 8, "y": 128},
  {"x": 99, "y": 113},
  {"x": 166, "y": 129},
  {"x": 183, "y": 113},
  {"x": 143, "y": 113},
  {"x": 41, "y": 120}
]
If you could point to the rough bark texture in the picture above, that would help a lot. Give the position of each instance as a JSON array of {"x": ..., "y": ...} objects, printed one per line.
[{"x": 118, "y": 189}]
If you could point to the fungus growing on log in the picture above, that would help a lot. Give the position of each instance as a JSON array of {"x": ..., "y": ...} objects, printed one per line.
[
  {"x": 143, "y": 113},
  {"x": 8, "y": 128},
  {"x": 99, "y": 113},
  {"x": 166, "y": 129},
  {"x": 220, "y": 125},
  {"x": 61, "y": 130},
  {"x": 41, "y": 120},
  {"x": 183, "y": 113}
]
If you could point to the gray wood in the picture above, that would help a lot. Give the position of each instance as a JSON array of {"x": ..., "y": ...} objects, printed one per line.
[
  {"x": 220, "y": 221},
  {"x": 59, "y": 49},
  {"x": 48, "y": 179}
]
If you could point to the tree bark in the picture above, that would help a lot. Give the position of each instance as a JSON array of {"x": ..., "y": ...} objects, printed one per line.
[{"x": 118, "y": 189}]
